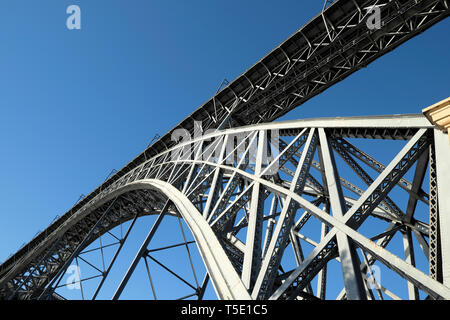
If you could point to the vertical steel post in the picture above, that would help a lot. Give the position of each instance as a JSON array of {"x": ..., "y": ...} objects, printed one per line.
[
  {"x": 354, "y": 283},
  {"x": 442, "y": 148}
]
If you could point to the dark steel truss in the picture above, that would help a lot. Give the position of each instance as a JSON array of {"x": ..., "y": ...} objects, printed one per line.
[
  {"x": 245, "y": 216},
  {"x": 332, "y": 46}
]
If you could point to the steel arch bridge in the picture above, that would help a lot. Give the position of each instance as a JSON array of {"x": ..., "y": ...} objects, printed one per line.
[{"x": 272, "y": 206}]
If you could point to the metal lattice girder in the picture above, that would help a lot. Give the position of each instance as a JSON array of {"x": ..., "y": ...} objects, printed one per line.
[
  {"x": 442, "y": 154},
  {"x": 360, "y": 210},
  {"x": 353, "y": 280},
  {"x": 332, "y": 46},
  {"x": 245, "y": 206}
]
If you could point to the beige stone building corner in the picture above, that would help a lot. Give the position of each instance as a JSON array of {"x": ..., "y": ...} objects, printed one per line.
[{"x": 439, "y": 115}]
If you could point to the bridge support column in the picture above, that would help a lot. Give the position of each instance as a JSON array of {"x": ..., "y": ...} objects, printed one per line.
[
  {"x": 442, "y": 147},
  {"x": 439, "y": 115}
]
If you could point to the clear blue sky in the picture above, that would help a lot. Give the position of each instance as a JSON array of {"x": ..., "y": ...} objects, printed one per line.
[{"x": 77, "y": 104}]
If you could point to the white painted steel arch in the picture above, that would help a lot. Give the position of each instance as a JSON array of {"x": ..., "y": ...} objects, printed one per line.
[
  {"x": 243, "y": 215},
  {"x": 226, "y": 281}
]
